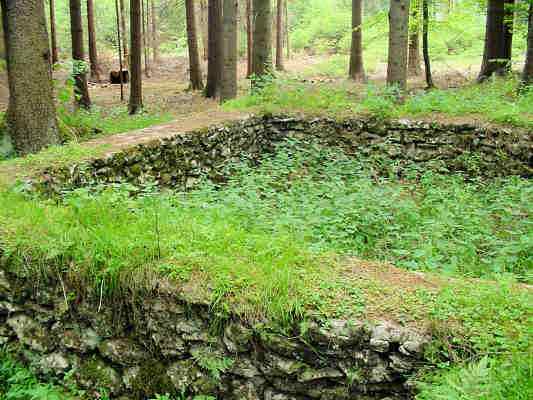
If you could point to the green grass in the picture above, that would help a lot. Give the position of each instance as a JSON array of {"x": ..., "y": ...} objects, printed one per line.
[
  {"x": 496, "y": 101},
  {"x": 277, "y": 242}
]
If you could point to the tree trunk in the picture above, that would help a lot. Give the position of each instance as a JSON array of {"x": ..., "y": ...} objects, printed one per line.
[
  {"x": 136, "y": 97},
  {"x": 287, "y": 38},
  {"x": 204, "y": 28},
  {"x": 280, "y": 30},
  {"x": 119, "y": 42},
  {"x": 195, "y": 68},
  {"x": 31, "y": 115},
  {"x": 493, "y": 53},
  {"x": 249, "y": 38},
  {"x": 262, "y": 38},
  {"x": 81, "y": 89},
  {"x": 398, "y": 42},
  {"x": 357, "y": 71},
  {"x": 527, "y": 75},
  {"x": 53, "y": 34},
  {"x": 155, "y": 37},
  {"x": 425, "y": 43},
  {"x": 214, "y": 57},
  {"x": 125, "y": 51},
  {"x": 413, "y": 61},
  {"x": 145, "y": 44},
  {"x": 508, "y": 26},
  {"x": 93, "y": 52},
  {"x": 228, "y": 88}
]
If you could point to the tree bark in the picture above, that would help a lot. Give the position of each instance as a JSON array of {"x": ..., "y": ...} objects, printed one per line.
[
  {"x": 136, "y": 97},
  {"x": 287, "y": 38},
  {"x": 125, "y": 51},
  {"x": 493, "y": 53},
  {"x": 155, "y": 37},
  {"x": 527, "y": 75},
  {"x": 195, "y": 68},
  {"x": 119, "y": 42},
  {"x": 508, "y": 26},
  {"x": 228, "y": 89},
  {"x": 414, "y": 54},
  {"x": 425, "y": 43},
  {"x": 203, "y": 27},
  {"x": 215, "y": 56},
  {"x": 31, "y": 115},
  {"x": 398, "y": 42},
  {"x": 53, "y": 33},
  {"x": 249, "y": 38},
  {"x": 357, "y": 71},
  {"x": 145, "y": 44},
  {"x": 81, "y": 89},
  {"x": 93, "y": 50},
  {"x": 262, "y": 39},
  {"x": 280, "y": 30}
]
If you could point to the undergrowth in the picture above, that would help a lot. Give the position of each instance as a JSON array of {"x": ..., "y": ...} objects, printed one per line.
[
  {"x": 277, "y": 241},
  {"x": 495, "y": 101}
]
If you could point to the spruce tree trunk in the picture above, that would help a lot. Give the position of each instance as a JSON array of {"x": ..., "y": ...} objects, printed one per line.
[
  {"x": 425, "y": 43},
  {"x": 145, "y": 43},
  {"x": 279, "y": 36},
  {"x": 414, "y": 54},
  {"x": 262, "y": 39},
  {"x": 136, "y": 97},
  {"x": 53, "y": 34},
  {"x": 125, "y": 52},
  {"x": 508, "y": 26},
  {"x": 214, "y": 57},
  {"x": 357, "y": 71},
  {"x": 287, "y": 38},
  {"x": 204, "y": 28},
  {"x": 155, "y": 37},
  {"x": 195, "y": 68},
  {"x": 493, "y": 53},
  {"x": 527, "y": 75},
  {"x": 93, "y": 51},
  {"x": 249, "y": 38},
  {"x": 228, "y": 89},
  {"x": 398, "y": 43},
  {"x": 119, "y": 48},
  {"x": 81, "y": 90},
  {"x": 31, "y": 115}
]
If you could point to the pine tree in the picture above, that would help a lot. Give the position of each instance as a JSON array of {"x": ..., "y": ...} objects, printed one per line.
[
  {"x": 31, "y": 115},
  {"x": 136, "y": 97},
  {"x": 81, "y": 90},
  {"x": 398, "y": 42}
]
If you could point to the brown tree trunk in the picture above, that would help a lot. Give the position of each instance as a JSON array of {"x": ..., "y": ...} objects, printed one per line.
[
  {"x": 119, "y": 42},
  {"x": 195, "y": 68},
  {"x": 527, "y": 75},
  {"x": 508, "y": 26},
  {"x": 425, "y": 43},
  {"x": 413, "y": 59},
  {"x": 280, "y": 30},
  {"x": 155, "y": 37},
  {"x": 398, "y": 43},
  {"x": 145, "y": 43},
  {"x": 249, "y": 38},
  {"x": 81, "y": 89},
  {"x": 93, "y": 52},
  {"x": 357, "y": 71},
  {"x": 125, "y": 51},
  {"x": 494, "y": 40},
  {"x": 262, "y": 39},
  {"x": 215, "y": 56},
  {"x": 31, "y": 115},
  {"x": 136, "y": 97},
  {"x": 287, "y": 38},
  {"x": 203, "y": 27},
  {"x": 53, "y": 34},
  {"x": 228, "y": 88}
]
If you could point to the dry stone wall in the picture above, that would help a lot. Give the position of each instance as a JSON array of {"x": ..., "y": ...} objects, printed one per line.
[
  {"x": 180, "y": 161},
  {"x": 162, "y": 343}
]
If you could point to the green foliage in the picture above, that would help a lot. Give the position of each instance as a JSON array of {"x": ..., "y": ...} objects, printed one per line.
[
  {"x": 18, "y": 383},
  {"x": 496, "y": 101}
]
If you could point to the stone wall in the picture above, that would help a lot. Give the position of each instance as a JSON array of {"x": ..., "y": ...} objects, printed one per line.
[
  {"x": 180, "y": 160},
  {"x": 161, "y": 343}
]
